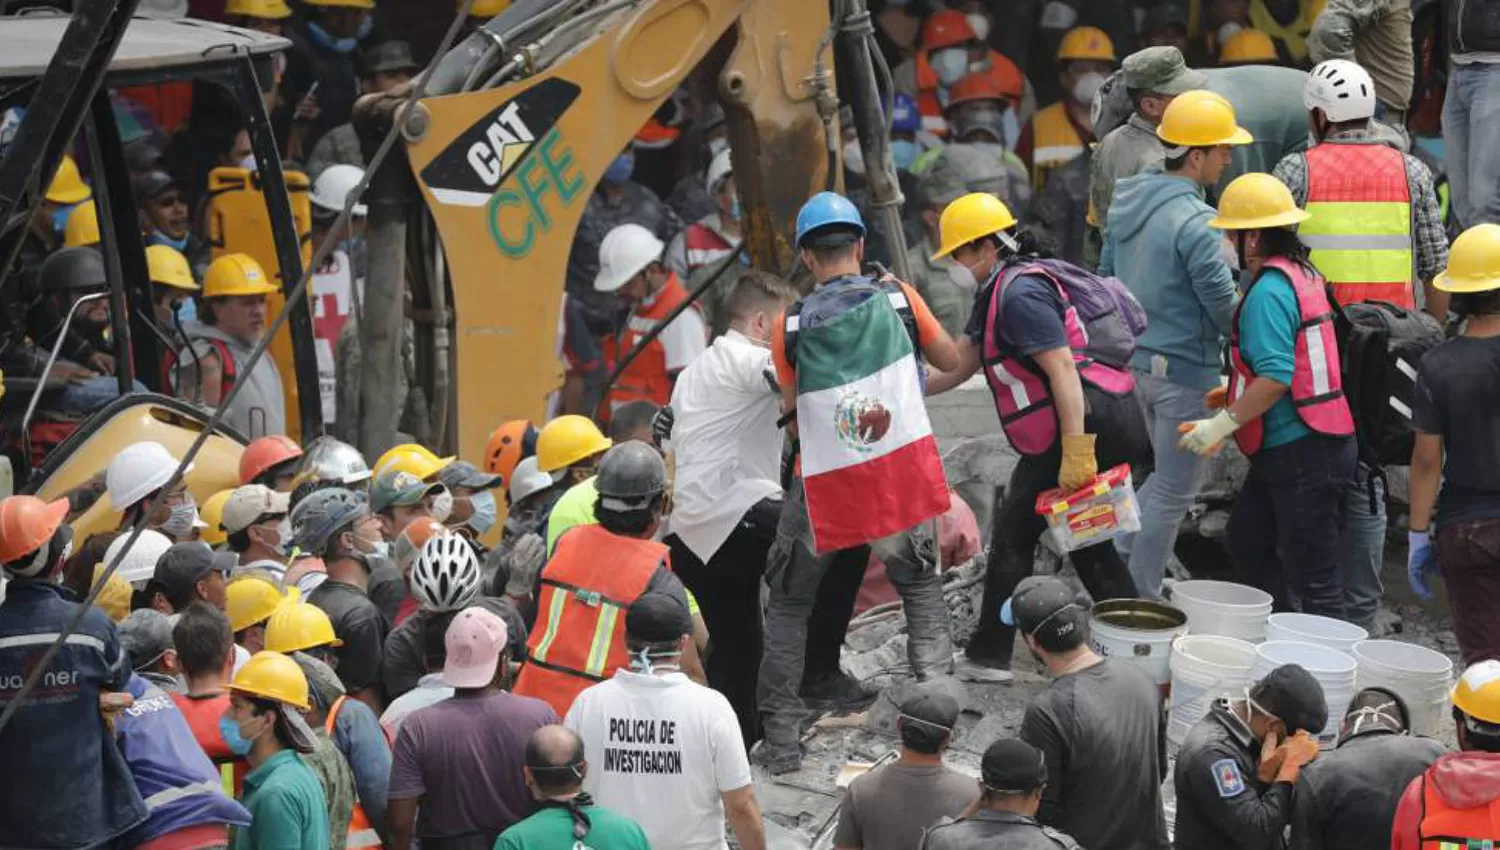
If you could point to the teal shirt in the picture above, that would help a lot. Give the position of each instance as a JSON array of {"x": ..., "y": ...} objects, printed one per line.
[
  {"x": 1268, "y": 342},
  {"x": 287, "y": 808},
  {"x": 552, "y": 829},
  {"x": 576, "y": 507}
]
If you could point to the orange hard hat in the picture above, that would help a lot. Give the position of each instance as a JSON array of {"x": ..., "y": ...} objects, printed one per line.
[
  {"x": 945, "y": 29},
  {"x": 27, "y": 524},
  {"x": 263, "y": 454},
  {"x": 980, "y": 85},
  {"x": 508, "y": 444}
]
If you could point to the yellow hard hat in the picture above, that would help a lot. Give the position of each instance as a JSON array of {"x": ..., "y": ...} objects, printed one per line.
[
  {"x": 236, "y": 274},
  {"x": 1086, "y": 43},
  {"x": 250, "y": 600},
  {"x": 67, "y": 185},
  {"x": 114, "y": 599},
  {"x": 1201, "y": 118},
  {"x": 566, "y": 440},
  {"x": 416, "y": 459},
  {"x": 168, "y": 267},
  {"x": 1473, "y": 262},
  {"x": 1477, "y": 693},
  {"x": 299, "y": 625},
  {"x": 347, "y": 4},
  {"x": 1247, "y": 46},
  {"x": 974, "y": 216},
  {"x": 271, "y": 10},
  {"x": 1256, "y": 200},
  {"x": 82, "y": 226},
  {"x": 274, "y": 676},
  {"x": 212, "y": 513},
  {"x": 486, "y": 8}
]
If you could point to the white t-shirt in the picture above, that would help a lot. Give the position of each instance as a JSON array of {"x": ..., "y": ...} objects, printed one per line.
[
  {"x": 726, "y": 442},
  {"x": 661, "y": 749},
  {"x": 430, "y": 690}
]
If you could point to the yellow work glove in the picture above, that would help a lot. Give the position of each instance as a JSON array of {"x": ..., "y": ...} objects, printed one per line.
[
  {"x": 1078, "y": 464},
  {"x": 1204, "y": 436}
]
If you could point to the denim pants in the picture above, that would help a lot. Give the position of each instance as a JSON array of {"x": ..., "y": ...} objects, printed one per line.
[
  {"x": 1122, "y": 438},
  {"x": 1173, "y": 485},
  {"x": 795, "y": 575},
  {"x": 1284, "y": 529},
  {"x": 1362, "y": 548},
  {"x": 1471, "y": 124}
]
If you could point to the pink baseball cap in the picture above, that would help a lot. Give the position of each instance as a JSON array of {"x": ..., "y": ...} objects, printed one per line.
[{"x": 475, "y": 640}]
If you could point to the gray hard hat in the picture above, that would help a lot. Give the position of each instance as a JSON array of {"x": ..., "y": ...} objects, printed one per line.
[
  {"x": 959, "y": 169},
  {"x": 73, "y": 268},
  {"x": 328, "y": 459},
  {"x": 630, "y": 476},
  {"x": 322, "y": 515}
]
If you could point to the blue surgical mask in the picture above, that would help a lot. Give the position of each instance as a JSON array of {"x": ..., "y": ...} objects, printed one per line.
[
  {"x": 736, "y": 209},
  {"x": 950, "y": 64},
  {"x": 60, "y": 218},
  {"x": 904, "y": 152},
  {"x": 486, "y": 512},
  {"x": 1010, "y": 125},
  {"x": 229, "y": 731},
  {"x": 159, "y": 238},
  {"x": 620, "y": 169},
  {"x": 187, "y": 310},
  {"x": 337, "y": 45}
]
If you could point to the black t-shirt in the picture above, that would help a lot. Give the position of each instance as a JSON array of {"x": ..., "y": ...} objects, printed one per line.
[
  {"x": 362, "y": 628},
  {"x": 1100, "y": 731},
  {"x": 1031, "y": 318},
  {"x": 1458, "y": 385},
  {"x": 404, "y": 663}
]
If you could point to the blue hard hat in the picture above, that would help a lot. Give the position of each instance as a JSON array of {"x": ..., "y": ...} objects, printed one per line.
[
  {"x": 905, "y": 118},
  {"x": 827, "y": 208}
]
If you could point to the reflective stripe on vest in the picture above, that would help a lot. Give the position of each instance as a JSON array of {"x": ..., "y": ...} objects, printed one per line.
[
  {"x": 704, "y": 246},
  {"x": 647, "y": 376},
  {"x": 1360, "y": 230},
  {"x": 1317, "y": 390},
  {"x": 930, "y": 107},
  {"x": 592, "y": 578},
  {"x": 1055, "y": 143},
  {"x": 1023, "y": 398},
  {"x": 1445, "y": 828},
  {"x": 362, "y": 835}
]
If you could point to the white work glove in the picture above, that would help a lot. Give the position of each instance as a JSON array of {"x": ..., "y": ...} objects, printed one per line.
[
  {"x": 526, "y": 560},
  {"x": 1204, "y": 436}
]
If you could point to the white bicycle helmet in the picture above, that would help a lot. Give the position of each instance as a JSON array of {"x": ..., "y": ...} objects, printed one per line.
[
  {"x": 1342, "y": 89},
  {"x": 446, "y": 576}
]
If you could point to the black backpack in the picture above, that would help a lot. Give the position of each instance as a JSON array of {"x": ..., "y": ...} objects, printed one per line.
[{"x": 1380, "y": 345}]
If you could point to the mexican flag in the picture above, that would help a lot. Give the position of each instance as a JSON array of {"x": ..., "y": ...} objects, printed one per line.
[{"x": 870, "y": 464}]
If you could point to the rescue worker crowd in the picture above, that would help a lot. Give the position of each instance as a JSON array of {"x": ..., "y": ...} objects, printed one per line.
[{"x": 331, "y": 654}]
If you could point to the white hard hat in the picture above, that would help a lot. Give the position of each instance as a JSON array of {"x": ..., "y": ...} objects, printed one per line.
[
  {"x": 334, "y": 185},
  {"x": 139, "y": 563},
  {"x": 528, "y": 479},
  {"x": 718, "y": 170},
  {"x": 624, "y": 252},
  {"x": 1342, "y": 89},
  {"x": 139, "y": 470}
]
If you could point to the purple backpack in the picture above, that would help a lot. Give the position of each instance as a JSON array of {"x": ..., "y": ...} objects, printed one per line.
[{"x": 1111, "y": 317}]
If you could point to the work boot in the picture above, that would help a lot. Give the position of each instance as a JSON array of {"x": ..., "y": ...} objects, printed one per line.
[
  {"x": 777, "y": 758},
  {"x": 838, "y": 692},
  {"x": 977, "y": 669}
]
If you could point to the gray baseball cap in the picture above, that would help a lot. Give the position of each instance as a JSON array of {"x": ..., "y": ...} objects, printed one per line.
[
  {"x": 1161, "y": 70},
  {"x": 959, "y": 169}
]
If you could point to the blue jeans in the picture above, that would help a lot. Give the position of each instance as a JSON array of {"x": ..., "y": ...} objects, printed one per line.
[
  {"x": 1172, "y": 487},
  {"x": 1471, "y": 124},
  {"x": 1363, "y": 548},
  {"x": 1284, "y": 529}
]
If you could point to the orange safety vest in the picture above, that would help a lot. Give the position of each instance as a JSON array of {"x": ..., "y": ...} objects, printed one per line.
[
  {"x": 1003, "y": 72},
  {"x": 1055, "y": 142},
  {"x": 1445, "y": 828},
  {"x": 647, "y": 376},
  {"x": 362, "y": 834},
  {"x": 202, "y": 714},
  {"x": 1360, "y": 233},
  {"x": 579, "y": 635}
]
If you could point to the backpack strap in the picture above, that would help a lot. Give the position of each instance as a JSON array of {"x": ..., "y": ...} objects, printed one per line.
[{"x": 228, "y": 369}]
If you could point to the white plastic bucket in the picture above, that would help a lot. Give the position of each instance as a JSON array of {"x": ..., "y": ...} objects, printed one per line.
[
  {"x": 1334, "y": 670},
  {"x": 1223, "y": 608},
  {"x": 1310, "y": 628},
  {"x": 1423, "y": 678},
  {"x": 1138, "y": 630},
  {"x": 1204, "y": 668}
]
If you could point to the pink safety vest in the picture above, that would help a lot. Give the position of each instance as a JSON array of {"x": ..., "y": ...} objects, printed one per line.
[
  {"x": 1317, "y": 385},
  {"x": 1023, "y": 397}
]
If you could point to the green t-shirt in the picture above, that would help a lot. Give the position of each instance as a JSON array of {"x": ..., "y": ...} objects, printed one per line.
[
  {"x": 552, "y": 829},
  {"x": 576, "y": 507},
  {"x": 287, "y": 808}
]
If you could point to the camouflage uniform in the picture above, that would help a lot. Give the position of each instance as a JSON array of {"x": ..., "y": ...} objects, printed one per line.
[{"x": 1059, "y": 214}]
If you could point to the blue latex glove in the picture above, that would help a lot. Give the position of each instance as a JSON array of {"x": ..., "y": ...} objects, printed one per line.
[{"x": 1420, "y": 562}]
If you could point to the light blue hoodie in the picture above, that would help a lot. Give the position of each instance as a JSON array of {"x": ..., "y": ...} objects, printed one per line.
[{"x": 1157, "y": 240}]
